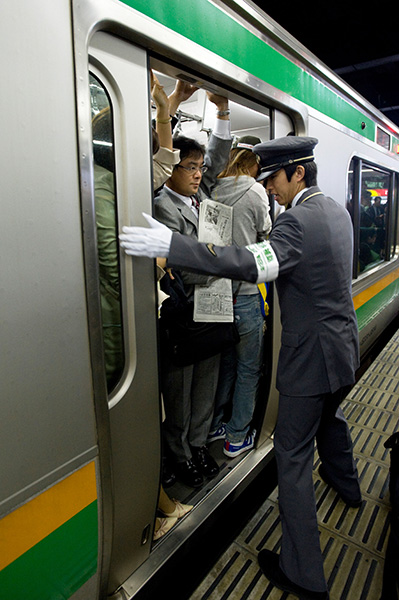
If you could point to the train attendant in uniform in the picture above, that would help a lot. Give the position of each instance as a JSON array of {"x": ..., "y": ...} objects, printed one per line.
[{"x": 309, "y": 253}]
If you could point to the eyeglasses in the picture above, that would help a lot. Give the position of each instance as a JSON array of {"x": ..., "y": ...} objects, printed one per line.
[{"x": 193, "y": 170}]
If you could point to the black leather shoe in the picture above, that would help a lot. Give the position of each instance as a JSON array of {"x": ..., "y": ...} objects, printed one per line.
[
  {"x": 349, "y": 501},
  {"x": 168, "y": 474},
  {"x": 204, "y": 461},
  {"x": 188, "y": 473},
  {"x": 269, "y": 564}
]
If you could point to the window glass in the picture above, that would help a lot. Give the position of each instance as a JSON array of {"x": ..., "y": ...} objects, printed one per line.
[
  {"x": 373, "y": 216},
  {"x": 106, "y": 221},
  {"x": 393, "y": 217},
  {"x": 368, "y": 205},
  {"x": 383, "y": 139}
]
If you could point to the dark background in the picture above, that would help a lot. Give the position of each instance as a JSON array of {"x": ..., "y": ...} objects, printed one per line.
[{"x": 359, "y": 41}]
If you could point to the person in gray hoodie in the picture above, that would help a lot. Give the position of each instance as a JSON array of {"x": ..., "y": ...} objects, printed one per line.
[{"x": 240, "y": 366}]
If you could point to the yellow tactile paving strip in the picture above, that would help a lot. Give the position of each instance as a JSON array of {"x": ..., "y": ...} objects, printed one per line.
[{"x": 353, "y": 541}]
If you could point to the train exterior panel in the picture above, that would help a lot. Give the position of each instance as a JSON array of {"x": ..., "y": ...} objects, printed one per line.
[{"x": 80, "y": 467}]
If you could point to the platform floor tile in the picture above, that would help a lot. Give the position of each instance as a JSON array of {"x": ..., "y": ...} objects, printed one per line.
[{"x": 353, "y": 541}]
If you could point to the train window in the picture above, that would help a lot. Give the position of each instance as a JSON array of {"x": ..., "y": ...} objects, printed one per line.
[
  {"x": 369, "y": 206},
  {"x": 394, "y": 218},
  {"x": 373, "y": 213},
  {"x": 106, "y": 222},
  {"x": 383, "y": 139}
]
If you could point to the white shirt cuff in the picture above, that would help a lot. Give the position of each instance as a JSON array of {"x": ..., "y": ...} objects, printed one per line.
[{"x": 222, "y": 129}]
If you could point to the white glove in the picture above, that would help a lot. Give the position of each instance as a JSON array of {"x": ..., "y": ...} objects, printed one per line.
[{"x": 141, "y": 241}]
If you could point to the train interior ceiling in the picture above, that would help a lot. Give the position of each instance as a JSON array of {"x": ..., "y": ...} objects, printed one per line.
[{"x": 197, "y": 114}]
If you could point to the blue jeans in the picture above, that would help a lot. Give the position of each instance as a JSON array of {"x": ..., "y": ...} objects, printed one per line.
[{"x": 240, "y": 369}]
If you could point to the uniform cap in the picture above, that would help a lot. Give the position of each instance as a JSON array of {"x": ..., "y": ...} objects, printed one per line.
[{"x": 281, "y": 152}]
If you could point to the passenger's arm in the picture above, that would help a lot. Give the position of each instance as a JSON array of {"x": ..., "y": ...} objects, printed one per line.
[
  {"x": 166, "y": 158},
  {"x": 217, "y": 152},
  {"x": 182, "y": 92},
  {"x": 162, "y": 118},
  {"x": 263, "y": 222}
]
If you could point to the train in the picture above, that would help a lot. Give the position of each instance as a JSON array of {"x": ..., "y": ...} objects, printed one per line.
[{"x": 81, "y": 463}]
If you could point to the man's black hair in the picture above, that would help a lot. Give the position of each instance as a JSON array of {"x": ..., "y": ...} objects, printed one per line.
[
  {"x": 310, "y": 172},
  {"x": 188, "y": 147}
]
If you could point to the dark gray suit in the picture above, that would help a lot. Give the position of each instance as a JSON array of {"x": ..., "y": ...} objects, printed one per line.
[
  {"x": 318, "y": 358},
  {"x": 189, "y": 391}
]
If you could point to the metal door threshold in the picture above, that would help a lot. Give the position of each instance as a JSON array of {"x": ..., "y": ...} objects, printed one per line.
[{"x": 353, "y": 541}]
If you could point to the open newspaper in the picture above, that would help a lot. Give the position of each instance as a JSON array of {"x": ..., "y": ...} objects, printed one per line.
[{"x": 214, "y": 302}]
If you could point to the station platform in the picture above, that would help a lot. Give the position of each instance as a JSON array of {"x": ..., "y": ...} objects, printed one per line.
[{"x": 353, "y": 541}]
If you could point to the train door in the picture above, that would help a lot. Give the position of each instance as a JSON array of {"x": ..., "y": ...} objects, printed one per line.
[{"x": 121, "y": 303}]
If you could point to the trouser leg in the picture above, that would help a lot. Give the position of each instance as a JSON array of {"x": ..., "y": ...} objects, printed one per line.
[
  {"x": 334, "y": 445},
  {"x": 203, "y": 389},
  {"x": 297, "y": 423},
  {"x": 176, "y": 390}
]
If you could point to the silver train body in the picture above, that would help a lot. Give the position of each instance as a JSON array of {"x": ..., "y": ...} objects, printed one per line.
[{"x": 80, "y": 467}]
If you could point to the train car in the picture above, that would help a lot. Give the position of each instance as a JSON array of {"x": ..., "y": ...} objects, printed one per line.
[{"x": 81, "y": 458}]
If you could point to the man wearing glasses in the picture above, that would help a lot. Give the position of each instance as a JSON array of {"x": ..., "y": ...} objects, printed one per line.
[{"x": 189, "y": 391}]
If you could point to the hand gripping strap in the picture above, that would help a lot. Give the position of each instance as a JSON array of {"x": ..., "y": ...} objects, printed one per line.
[{"x": 266, "y": 261}]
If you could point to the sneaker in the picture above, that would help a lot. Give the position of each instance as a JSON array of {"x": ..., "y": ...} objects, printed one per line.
[
  {"x": 233, "y": 450},
  {"x": 218, "y": 434}
]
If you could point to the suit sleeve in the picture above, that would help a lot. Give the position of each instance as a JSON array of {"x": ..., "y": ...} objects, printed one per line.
[
  {"x": 286, "y": 240},
  {"x": 256, "y": 263},
  {"x": 166, "y": 212},
  {"x": 216, "y": 158}
]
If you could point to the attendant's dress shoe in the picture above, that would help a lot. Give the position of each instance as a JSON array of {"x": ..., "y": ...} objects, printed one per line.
[
  {"x": 269, "y": 564},
  {"x": 188, "y": 473},
  {"x": 353, "y": 503},
  {"x": 204, "y": 461}
]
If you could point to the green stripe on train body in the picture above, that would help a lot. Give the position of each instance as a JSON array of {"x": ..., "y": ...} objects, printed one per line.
[
  {"x": 56, "y": 567},
  {"x": 203, "y": 23}
]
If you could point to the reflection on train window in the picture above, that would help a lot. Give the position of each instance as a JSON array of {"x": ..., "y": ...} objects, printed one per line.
[
  {"x": 383, "y": 139},
  {"x": 106, "y": 221},
  {"x": 373, "y": 212},
  {"x": 368, "y": 203}
]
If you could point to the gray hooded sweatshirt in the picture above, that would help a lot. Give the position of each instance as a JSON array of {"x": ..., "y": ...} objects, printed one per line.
[{"x": 251, "y": 218}]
